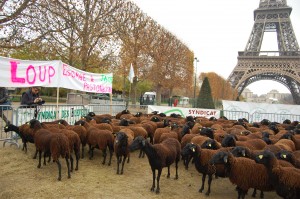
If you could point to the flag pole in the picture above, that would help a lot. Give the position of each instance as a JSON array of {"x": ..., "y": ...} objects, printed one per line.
[{"x": 130, "y": 77}]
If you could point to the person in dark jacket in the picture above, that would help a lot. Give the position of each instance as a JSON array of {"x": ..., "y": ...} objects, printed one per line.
[
  {"x": 32, "y": 97},
  {"x": 4, "y": 101}
]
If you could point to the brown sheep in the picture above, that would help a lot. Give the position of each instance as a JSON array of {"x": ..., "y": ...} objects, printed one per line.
[
  {"x": 285, "y": 180},
  {"x": 159, "y": 131},
  {"x": 201, "y": 160},
  {"x": 56, "y": 144},
  {"x": 255, "y": 176},
  {"x": 159, "y": 155},
  {"x": 81, "y": 131},
  {"x": 253, "y": 144},
  {"x": 96, "y": 138},
  {"x": 121, "y": 148}
]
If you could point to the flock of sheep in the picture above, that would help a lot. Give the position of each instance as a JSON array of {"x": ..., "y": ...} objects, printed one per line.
[{"x": 264, "y": 156}]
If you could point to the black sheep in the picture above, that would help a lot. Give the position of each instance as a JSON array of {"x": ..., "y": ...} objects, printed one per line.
[{"x": 159, "y": 155}]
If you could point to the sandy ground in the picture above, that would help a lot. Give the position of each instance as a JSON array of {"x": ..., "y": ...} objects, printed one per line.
[{"x": 20, "y": 178}]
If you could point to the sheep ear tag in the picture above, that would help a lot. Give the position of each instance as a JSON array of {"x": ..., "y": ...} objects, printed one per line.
[
  {"x": 225, "y": 159},
  {"x": 193, "y": 149},
  {"x": 260, "y": 156},
  {"x": 284, "y": 156},
  {"x": 143, "y": 142},
  {"x": 243, "y": 153},
  {"x": 209, "y": 145}
]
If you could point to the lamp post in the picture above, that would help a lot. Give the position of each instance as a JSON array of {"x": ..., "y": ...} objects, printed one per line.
[{"x": 196, "y": 60}]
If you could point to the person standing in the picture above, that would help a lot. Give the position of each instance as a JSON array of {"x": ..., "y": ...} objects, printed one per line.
[
  {"x": 32, "y": 97},
  {"x": 4, "y": 101}
]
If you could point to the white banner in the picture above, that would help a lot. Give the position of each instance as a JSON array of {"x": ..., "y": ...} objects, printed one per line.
[
  {"x": 196, "y": 112},
  {"x": 28, "y": 73},
  {"x": 252, "y": 107}
]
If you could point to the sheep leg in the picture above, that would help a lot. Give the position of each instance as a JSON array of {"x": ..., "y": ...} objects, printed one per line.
[
  {"x": 82, "y": 151},
  {"x": 45, "y": 156},
  {"x": 77, "y": 160},
  {"x": 241, "y": 193},
  {"x": 72, "y": 161},
  {"x": 104, "y": 156},
  {"x": 118, "y": 163},
  {"x": 261, "y": 194},
  {"x": 36, "y": 151},
  {"x": 209, "y": 183},
  {"x": 140, "y": 155},
  {"x": 91, "y": 152},
  {"x": 168, "y": 176},
  {"x": 110, "y": 156},
  {"x": 59, "y": 169},
  {"x": 40, "y": 157},
  {"x": 68, "y": 167},
  {"x": 128, "y": 158},
  {"x": 25, "y": 147},
  {"x": 157, "y": 180},
  {"x": 123, "y": 162},
  {"x": 203, "y": 181},
  {"x": 153, "y": 180},
  {"x": 254, "y": 193},
  {"x": 176, "y": 168}
]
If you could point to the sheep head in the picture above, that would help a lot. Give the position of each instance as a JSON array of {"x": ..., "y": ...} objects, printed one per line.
[
  {"x": 138, "y": 143},
  {"x": 220, "y": 158},
  {"x": 266, "y": 158}
]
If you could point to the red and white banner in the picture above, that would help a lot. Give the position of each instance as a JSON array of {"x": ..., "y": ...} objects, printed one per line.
[{"x": 28, "y": 73}]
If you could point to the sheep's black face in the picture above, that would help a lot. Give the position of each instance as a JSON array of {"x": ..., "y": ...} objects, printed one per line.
[
  {"x": 185, "y": 130},
  {"x": 80, "y": 123},
  {"x": 209, "y": 132},
  {"x": 190, "y": 124},
  {"x": 265, "y": 158},
  {"x": 220, "y": 158},
  {"x": 33, "y": 123},
  {"x": 209, "y": 144},
  {"x": 287, "y": 136},
  {"x": 162, "y": 115},
  {"x": 188, "y": 150},
  {"x": 274, "y": 128},
  {"x": 91, "y": 114},
  {"x": 228, "y": 141},
  {"x": 121, "y": 138},
  {"x": 267, "y": 140},
  {"x": 265, "y": 122},
  {"x": 124, "y": 122},
  {"x": 8, "y": 128},
  {"x": 138, "y": 143},
  {"x": 255, "y": 124},
  {"x": 239, "y": 151},
  {"x": 285, "y": 155},
  {"x": 154, "y": 119}
]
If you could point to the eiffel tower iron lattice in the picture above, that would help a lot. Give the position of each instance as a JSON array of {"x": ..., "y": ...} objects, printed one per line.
[{"x": 283, "y": 65}]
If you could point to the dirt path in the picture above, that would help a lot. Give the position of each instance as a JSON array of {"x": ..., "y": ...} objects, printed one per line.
[{"x": 20, "y": 178}]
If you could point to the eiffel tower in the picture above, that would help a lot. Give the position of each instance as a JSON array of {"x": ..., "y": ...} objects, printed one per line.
[{"x": 283, "y": 65}]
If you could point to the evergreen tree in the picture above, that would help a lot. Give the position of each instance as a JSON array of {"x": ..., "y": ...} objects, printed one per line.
[{"x": 205, "y": 99}]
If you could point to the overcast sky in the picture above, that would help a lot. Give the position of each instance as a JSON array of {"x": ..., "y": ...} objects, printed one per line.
[{"x": 215, "y": 30}]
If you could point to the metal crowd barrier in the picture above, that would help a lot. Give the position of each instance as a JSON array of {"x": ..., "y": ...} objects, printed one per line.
[
  {"x": 273, "y": 117},
  {"x": 235, "y": 115},
  {"x": 44, "y": 113},
  {"x": 6, "y": 111}
]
